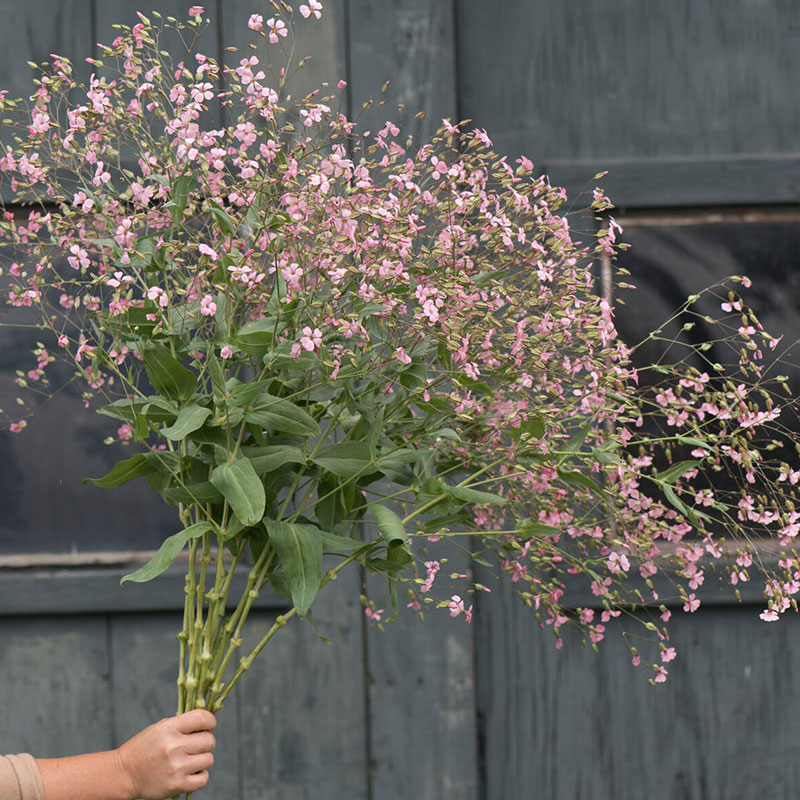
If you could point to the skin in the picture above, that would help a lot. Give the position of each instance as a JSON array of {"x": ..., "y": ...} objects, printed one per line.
[{"x": 169, "y": 757}]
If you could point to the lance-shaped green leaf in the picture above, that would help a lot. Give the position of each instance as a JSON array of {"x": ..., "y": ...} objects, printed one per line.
[
  {"x": 198, "y": 492},
  {"x": 398, "y": 550},
  {"x": 167, "y": 375},
  {"x": 339, "y": 544},
  {"x": 122, "y": 472},
  {"x": 226, "y": 224},
  {"x": 299, "y": 548},
  {"x": 674, "y": 472},
  {"x": 189, "y": 419},
  {"x": 281, "y": 416},
  {"x": 466, "y": 495},
  {"x": 576, "y": 478},
  {"x": 390, "y": 525},
  {"x": 179, "y": 197},
  {"x": 167, "y": 553},
  {"x": 243, "y": 490},
  {"x": 345, "y": 459},
  {"x": 533, "y": 426},
  {"x": 272, "y": 457}
]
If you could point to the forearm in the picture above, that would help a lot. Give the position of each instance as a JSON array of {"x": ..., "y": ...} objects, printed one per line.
[{"x": 93, "y": 776}]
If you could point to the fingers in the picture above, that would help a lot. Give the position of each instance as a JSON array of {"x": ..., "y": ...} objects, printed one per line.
[
  {"x": 201, "y": 742},
  {"x": 197, "y": 720}
]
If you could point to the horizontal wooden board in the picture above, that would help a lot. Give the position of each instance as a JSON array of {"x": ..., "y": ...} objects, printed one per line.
[{"x": 81, "y": 591}]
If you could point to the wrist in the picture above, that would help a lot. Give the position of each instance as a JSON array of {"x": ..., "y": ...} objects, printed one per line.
[{"x": 125, "y": 783}]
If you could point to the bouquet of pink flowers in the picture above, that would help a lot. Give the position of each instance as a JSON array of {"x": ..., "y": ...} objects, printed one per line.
[{"x": 298, "y": 330}]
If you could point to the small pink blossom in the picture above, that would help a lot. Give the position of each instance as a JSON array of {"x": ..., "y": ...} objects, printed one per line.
[
  {"x": 276, "y": 28},
  {"x": 196, "y": 11},
  {"x": 661, "y": 675},
  {"x": 667, "y": 654},
  {"x": 311, "y": 340},
  {"x": 125, "y": 432},
  {"x": 226, "y": 352},
  {"x": 207, "y": 306},
  {"x": 401, "y": 356},
  {"x": 373, "y": 613},
  {"x": 256, "y": 22},
  {"x": 314, "y": 7}
]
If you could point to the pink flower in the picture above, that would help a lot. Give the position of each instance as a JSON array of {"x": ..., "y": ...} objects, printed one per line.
[
  {"x": 157, "y": 293},
  {"x": 311, "y": 340},
  {"x": 401, "y": 356},
  {"x": 770, "y": 615},
  {"x": 276, "y": 28},
  {"x": 207, "y": 306},
  {"x": 208, "y": 251},
  {"x": 256, "y": 22},
  {"x": 226, "y": 352},
  {"x": 692, "y": 604},
  {"x": 373, "y": 613},
  {"x": 314, "y": 7},
  {"x": 661, "y": 675},
  {"x": 16, "y": 427},
  {"x": 668, "y": 654},
  {"x": 196, "y": 11},
  {"x": 125, "y": 432}
]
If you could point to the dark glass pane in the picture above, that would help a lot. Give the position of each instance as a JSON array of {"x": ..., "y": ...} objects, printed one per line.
[
  {"x": 670, "y": 262},
  {"x": 45, "y": 505}
]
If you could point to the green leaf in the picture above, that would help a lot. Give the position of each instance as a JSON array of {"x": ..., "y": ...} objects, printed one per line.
[
  {"x": 338, "y": 544},
  {"x": 533, "y": 426},
  {"x": 466, "y": 495},
  {"x": 243, "y": 490},
  {"x": 224, "y": 221},
  {"x": 576, "y": 478},
  {"x": 167, "y": 553},
  {"x": 674, "y": 472},
  {"x": 190, "y": 418},
  {"x": 694, "y": 440},
  {"x": 415, "y": 375},
  {"x": 299, "y": 548},
  {"x": 259, "y": 332},
  {"x": 390, "y": 525},
  {"x": 180, "y": 196},
  {"x": 345, "y": 459},
  {"x": 576, "y": 442},
  {"x": 536, "y": 530},
  {"x": 272, "y": 457},
  {"x": 281, "y": 416},
  {"x": 122, "y": 472},
  {"x": 199, "y": 492},
  {"x": 167, "y": 375}
]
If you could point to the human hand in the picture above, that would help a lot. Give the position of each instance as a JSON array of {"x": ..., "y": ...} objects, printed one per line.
[{"x": 170, "y": 756}]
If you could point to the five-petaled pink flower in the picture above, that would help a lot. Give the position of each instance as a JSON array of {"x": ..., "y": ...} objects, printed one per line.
[
  {"x": 256, "y": 22},
  {"x": 314, "y": 7},
  {"x": 207, "y": 306},
  {"x": 276, "y": 28},
  {"x": 226, "y": 352},
  {"x": 311, "y": 340},
  {"x": 196, "y": 11}
]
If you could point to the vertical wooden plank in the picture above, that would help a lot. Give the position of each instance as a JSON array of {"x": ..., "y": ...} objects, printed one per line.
[
  {"x": 54, "y": 692},
  {"x": 321, "y": 41},
  {"x": 572, "y": 723},
  {"x": 111, "y": 12},
  {"x": 31, "y": 31},
  {"x": 411, "y": 44},
  {"x": 302, "y": 704},
  {"x": 421, "y": 698},
  {"x": 144, "y": 652}
]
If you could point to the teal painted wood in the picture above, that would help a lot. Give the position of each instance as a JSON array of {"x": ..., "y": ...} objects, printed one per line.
[
  {"x": 322, "y": 41},
  {"x": 574, "y": 724},
  {"x": 302, "y": 721},
  {"x": 411, "y": 44},
  {"x": 112, "y": 12},
  {"x": 55, "y": 695},
  {"x": 144, "y": 658},
  {"x": 422, "y": 728},
  {"x": 33, "y": 30},
  {"x": 625, "y": 81}
]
